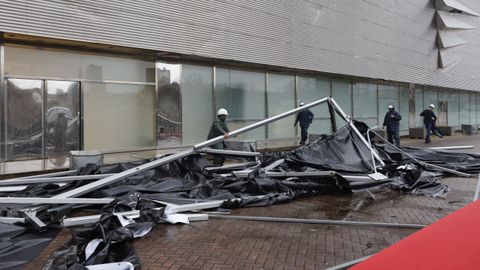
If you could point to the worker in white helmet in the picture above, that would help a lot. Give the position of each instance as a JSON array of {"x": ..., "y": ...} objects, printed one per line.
[
  {"x": 429, "y": 119},
  {"x": 392, "y": 122},
  {"x": 219, "y": 127}
]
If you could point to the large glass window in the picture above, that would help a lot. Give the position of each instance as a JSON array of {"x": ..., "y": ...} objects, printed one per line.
[
  {"x": 404, "y": 106},
  {"x": 41, "y": 62},
  {"x": 281, "y": 98},
  {"x": 464, "y": 108},
  {"x": 365, "y": 103},
  {"x": 473, "y": 109},
  {"x": 342, "y": 93},
  {"x": 453, "y": 108},
  {"x": 387, "y": 94},
  {"x": 309, "y": 90},
  {"x": 169, "y": 104},
  {"x": 419, "y": 106},
  {"x": 478, "y": 108},
  {"x": 197, "y": 110},
  {"x": 24, "y": 119},
  {"x": 118, "y": 116},
  {"x": 242, "y": 93}
]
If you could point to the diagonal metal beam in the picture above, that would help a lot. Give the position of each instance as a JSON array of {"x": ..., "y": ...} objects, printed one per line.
[{"x": 60, "y": 179}]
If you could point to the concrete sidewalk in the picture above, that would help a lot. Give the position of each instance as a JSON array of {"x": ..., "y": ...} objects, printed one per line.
[{"x": 231, "y": 244}]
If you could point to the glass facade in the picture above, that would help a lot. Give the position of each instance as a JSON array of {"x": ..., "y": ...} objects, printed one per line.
[
  {"x": 310, "y": 89},
  {"x": 242, "y": 93},
  {"x": 118, "y": 116},
  {"x": 281, "y": 98},
  {"x": 62, "y": 100}
]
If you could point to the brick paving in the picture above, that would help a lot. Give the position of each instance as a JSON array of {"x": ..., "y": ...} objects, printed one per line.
[{"x": 233, "y": 244}]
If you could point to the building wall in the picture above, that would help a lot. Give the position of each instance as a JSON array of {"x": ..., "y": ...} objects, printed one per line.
[{"x": 384, "y": 39}]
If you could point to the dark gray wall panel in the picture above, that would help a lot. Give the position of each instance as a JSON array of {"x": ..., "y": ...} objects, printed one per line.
[{"x": 386, "y": 39}]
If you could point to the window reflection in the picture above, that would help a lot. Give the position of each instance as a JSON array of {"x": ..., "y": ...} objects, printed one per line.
[
  {"x": 24, "y": 119},
  {"x": 169, "y": 114}
]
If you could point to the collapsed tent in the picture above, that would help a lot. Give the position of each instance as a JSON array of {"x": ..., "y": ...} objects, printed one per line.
[{"x": 140, "y": 194}]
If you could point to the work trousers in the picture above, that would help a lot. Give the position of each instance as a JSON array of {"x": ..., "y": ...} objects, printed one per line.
[{"x": 393, "y": 137}]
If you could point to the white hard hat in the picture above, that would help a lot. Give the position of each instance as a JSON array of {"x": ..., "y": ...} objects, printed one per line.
[
  {"x": 390, "y": 106},
  {"x": 222, "y": 111},
  {"x": 301, "y": 103},
  {"x": 431, "y": 106}
]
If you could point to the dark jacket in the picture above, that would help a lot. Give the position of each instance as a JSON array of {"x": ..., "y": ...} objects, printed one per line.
[
  {"x": 428, "y": 116},
  {"x": 305, "y": 118},
  {"x": 218, "y": 128},
  {"x": 392, "y": 121}
]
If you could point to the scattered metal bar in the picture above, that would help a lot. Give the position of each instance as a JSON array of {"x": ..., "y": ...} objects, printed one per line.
[
  {"x": 260, "y": 123},
  {"x": 300, "y": 174},
  {"x": 347, "y": 118},
  {"x": 112, "y": 179},
  {"x": 64, "y": 173},
  {"x": 197, "y": 217},
  {"x": 229, "y": 152},
  {"x": 321, "y": 221},
  {"x": 421, "y": 162},
  {"x": 12, "y": 188},
  {"x": 452, "y": 147},
  {"x": 37, "y": 200},
  {"x": 274, "y": 164},
  {"x": 172, "y": 208},
  {"x": 231, "y": 166},
  {"x": 477, "y": 190},
  {"x": 11, "y": 182},
  {"x": 12, "y": 220},
  {"x": 348, "y": 264}
]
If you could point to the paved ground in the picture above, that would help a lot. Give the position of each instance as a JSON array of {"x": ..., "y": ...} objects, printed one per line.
[{"x": 230, "y": 244}]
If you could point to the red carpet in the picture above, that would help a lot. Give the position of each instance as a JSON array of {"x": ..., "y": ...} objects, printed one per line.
[{"x": 452, "y": 242}]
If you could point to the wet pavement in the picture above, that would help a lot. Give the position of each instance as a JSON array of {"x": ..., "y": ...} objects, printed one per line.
[{"x": 235, "y": 244}]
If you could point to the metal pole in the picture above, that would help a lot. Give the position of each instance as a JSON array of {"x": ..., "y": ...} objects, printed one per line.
[
  {"x": 37, "y": 200},
  {"x": 477, "y": 190},
  {"x": 114, "y": 178},
  {"x": 12, "y": 182},
  {"x": 421, "y": 162},
  {"x": 260, "y": 123},
  {"x": 348, "y": 264},
  {"x": 46, "y": 175},
  {"x": 349, "y": 122},
  {"x": 320, "y": 221}
]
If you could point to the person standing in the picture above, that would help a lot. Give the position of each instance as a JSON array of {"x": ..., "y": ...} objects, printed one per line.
[
  {"x": 219, "y": 127},
  {"x": 429, "y": 119},
  {"x": 392, "y": 123},
  {"x": 305, "y": 118}
]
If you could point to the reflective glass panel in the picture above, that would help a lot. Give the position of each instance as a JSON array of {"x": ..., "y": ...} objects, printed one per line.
[
  {"x": 419, "y": 107},
  {"x": 62, "y": 118},
  {"x": 404, "y": 107},
  {"x": 118, "y": 116},
  {"x": 24, "y": 119},
  {"x": 473, "y": 109},
  {"x": 310, "y": 89},
  {"x": 197, "y": 110},
  {"x": 242, "y": 93},
  {"x": 365, "y": 102},
  {"x": 464, "y": 108},
  {"x": 342, "y": 93},
  {"x": 281, "y": 98},
  {"x": 28, "y": 61},
  {"x": 169, "y": 115},
  {"x": 387, "y": 94},
  {"x": 453, "y": 108}
]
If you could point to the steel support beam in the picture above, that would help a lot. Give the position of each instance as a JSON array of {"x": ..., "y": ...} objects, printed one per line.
[
  {"x": 274, "y": 164},
  {"x": 36, "y": 200},
  {"x": 301, "y": 174},
  {"x": 421, "y": 162},
  {"x": 233, "y": 166},
  {"x": 60, "y": 179},
  {"x": 229, "y": 152},
  {"x": 320, "y": 221},
  {"x": 349, "y": 122},
  {"x": 260, "y": 123}
]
